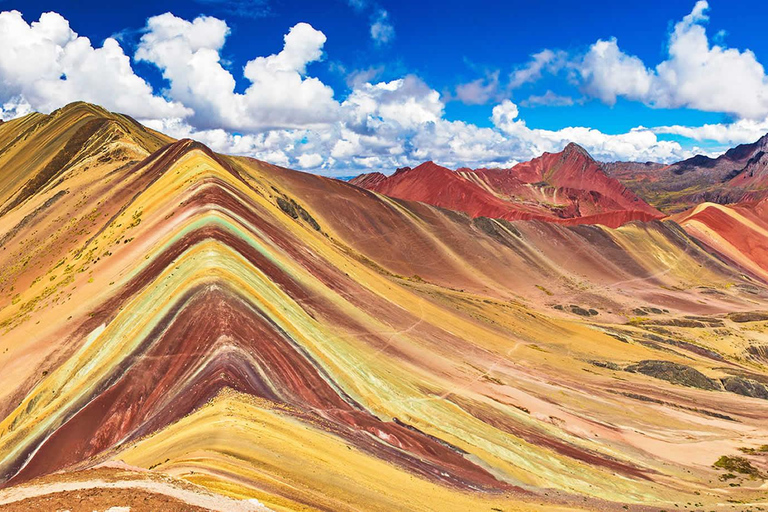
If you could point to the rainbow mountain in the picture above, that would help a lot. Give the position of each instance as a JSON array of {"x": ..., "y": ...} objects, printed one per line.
[{"x": 184, "y": 330}]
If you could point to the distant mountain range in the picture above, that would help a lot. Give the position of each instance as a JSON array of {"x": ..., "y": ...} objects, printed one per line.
[
  {"x": 571, "y": 187},
  {"x": 740, "y": 174}
]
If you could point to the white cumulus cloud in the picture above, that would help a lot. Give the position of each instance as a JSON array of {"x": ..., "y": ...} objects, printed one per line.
[
  {"x": 382, "y": 30},
  {"x": 280, "y": 94},
  {"x": 407, "y": 102},
  {"x": 546, "y": 60},
  {"x": 45, "y": 64},
  {"x": 609, "y": 73},
  {"x": 696, "y": 74},
  {"x": 738, "y": 132},
  {"x": 638, "y": 144},
  {"x": 479, "y": 91}
]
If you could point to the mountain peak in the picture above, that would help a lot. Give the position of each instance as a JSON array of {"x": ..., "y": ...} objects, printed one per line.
[
  {"x": 744, "y": 152},
  {"x": 573, "y": 149},
  {"x": 429, "y": 165},
  {"x": 82, "y": 107},
  {"x": 368, "y": 179}
]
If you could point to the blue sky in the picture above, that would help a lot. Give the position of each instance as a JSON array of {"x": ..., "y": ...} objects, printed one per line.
[{"x": 386, "y": 83}]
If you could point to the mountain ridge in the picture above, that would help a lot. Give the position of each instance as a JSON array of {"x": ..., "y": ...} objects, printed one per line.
[
  {"x": 726, "y": 179},
  {"x": 565, "y": 187}
]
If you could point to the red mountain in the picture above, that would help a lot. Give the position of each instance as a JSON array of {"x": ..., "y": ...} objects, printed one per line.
[
  {"x": 439, "y": 186},
  {"x": 368, "y": 180},
  {"x": 737, "y": 231},
  {"x": 571, "y": 177},
  {"x": 568, "y": 187}
]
